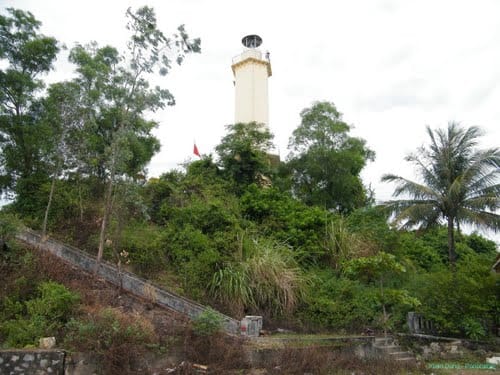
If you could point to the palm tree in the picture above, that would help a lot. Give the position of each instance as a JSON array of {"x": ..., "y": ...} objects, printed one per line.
[{"x": 460, "y": 184}]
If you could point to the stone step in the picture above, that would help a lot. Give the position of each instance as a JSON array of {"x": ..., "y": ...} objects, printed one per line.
[
  {"x": 388, "y": 338},
  {"x": 395, "y": 354},
  {"x": 382, "y": 343},
  {"x": 388, "y": 348},
  {"x": 391, "y": 348},
  {"x": 405, "y": 359}
]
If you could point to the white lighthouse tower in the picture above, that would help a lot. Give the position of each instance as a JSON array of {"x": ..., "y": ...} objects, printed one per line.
[{"x": 251, "y": 70}]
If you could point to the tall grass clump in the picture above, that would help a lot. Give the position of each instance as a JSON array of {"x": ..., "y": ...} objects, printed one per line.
[
  {"x": 267, "y": 279},
  {"x": 230, "y": 286},
  {"x": 275, "y": 278},
  {"x": 341, "y": 244}
]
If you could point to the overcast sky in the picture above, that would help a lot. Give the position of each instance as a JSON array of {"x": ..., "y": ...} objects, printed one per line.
[{"x": 391, "y": 67}]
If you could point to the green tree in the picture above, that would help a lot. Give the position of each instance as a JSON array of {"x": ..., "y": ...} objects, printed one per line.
[
  {"x": 326, "y": 161},
  {"x": 61, "y": 113},
  {"x": 243, "y": 154},
  {"x": 117, "y": 97},
  {"x": 460, "y": 184},
  {"x": 26, "y": 55}
]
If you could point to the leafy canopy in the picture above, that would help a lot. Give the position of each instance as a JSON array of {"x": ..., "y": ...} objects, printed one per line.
[
  {"x": 326, "y": 161},
  {"x": 25, "y": 55},
  {"x": 459, "y": 184},
  {"x": 243, "y": 153}
]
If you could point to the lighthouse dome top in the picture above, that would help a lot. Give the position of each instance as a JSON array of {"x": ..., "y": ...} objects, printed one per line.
[{"x": 251, "y": 41}]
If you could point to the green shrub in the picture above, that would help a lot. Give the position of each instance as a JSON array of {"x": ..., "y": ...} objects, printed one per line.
[
  {"x": 143, "y": 243},
  {"x": 119, "y": 340},
  {"x": 473, "y": 329},
  {"x": 341, "y": 244},
  {"x": 193, "y": 256},
  {"x": 207, "y": 323},
  {"x": 24, "y": 287},
  {"x": 197, "y": 272},
  {"x": 10, "y": 307},
  {"x": 371, "y": 224},
  {"x": 41, "y": 316},
  {"x": 108, "y": 328},
  {"x": 421, "y": 254},
  {"x": 463, "y": 303},
  {"x": 23, "y": 332},
  {"x": 55, "y": 303},
  {"x": 335, "y": 303},
  {"x": 284, "y": 218},
  {"x": 10, "y": 224},
  {"x": 480, "y": 244}
]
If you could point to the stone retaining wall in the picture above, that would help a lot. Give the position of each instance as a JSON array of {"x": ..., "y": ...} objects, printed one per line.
[
  {"x": 265, "y": 350},
  {"x": 430, "y": 347},
  {"x": 128, "y": 281},
  {"x": 40, "y": 362}
]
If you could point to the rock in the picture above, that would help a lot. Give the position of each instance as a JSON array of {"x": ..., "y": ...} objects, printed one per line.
[
  {"x": 201, "y": 369},
  {"x": 435, "y": 348},
  {"x": 257, "y": 371},
  {"x": 47, "y": 343},
  {"x": 493, "y": 360},
  {"x": 282, "y": 330}
]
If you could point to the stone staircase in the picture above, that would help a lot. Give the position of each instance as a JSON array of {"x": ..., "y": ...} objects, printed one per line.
[
  {"x": 389, "y": 348},
  {"x": 123, "y": 279}
]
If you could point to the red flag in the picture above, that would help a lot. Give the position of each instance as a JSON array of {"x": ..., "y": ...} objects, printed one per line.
[{"x": 195, "y": 151}]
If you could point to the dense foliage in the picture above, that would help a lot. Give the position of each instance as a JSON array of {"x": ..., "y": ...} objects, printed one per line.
[
  {"x": 298, "y": 241},
  {"x": 24, "y": 322},
  {"x": 326, "y": 161},
  {"x": 26, "y": 55}
]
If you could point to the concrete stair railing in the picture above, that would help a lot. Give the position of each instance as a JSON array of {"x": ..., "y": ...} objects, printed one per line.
[{"x": 129, "y": 281}]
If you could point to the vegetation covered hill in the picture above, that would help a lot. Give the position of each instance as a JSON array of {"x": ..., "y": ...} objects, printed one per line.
[{"x": 300, "y": 242}]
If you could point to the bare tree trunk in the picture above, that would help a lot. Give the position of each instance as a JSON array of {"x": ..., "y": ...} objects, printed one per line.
[
  {"x": 104, "y": 223},
  {"x": 117, "y": 243},
  {"x": 80, "y": 201},
  {"x": 47, "y": 209},
  {"x": 108, "y": 201},
  {"x": 451, "y": 242},
  {"x": 384, "y": 311}
]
